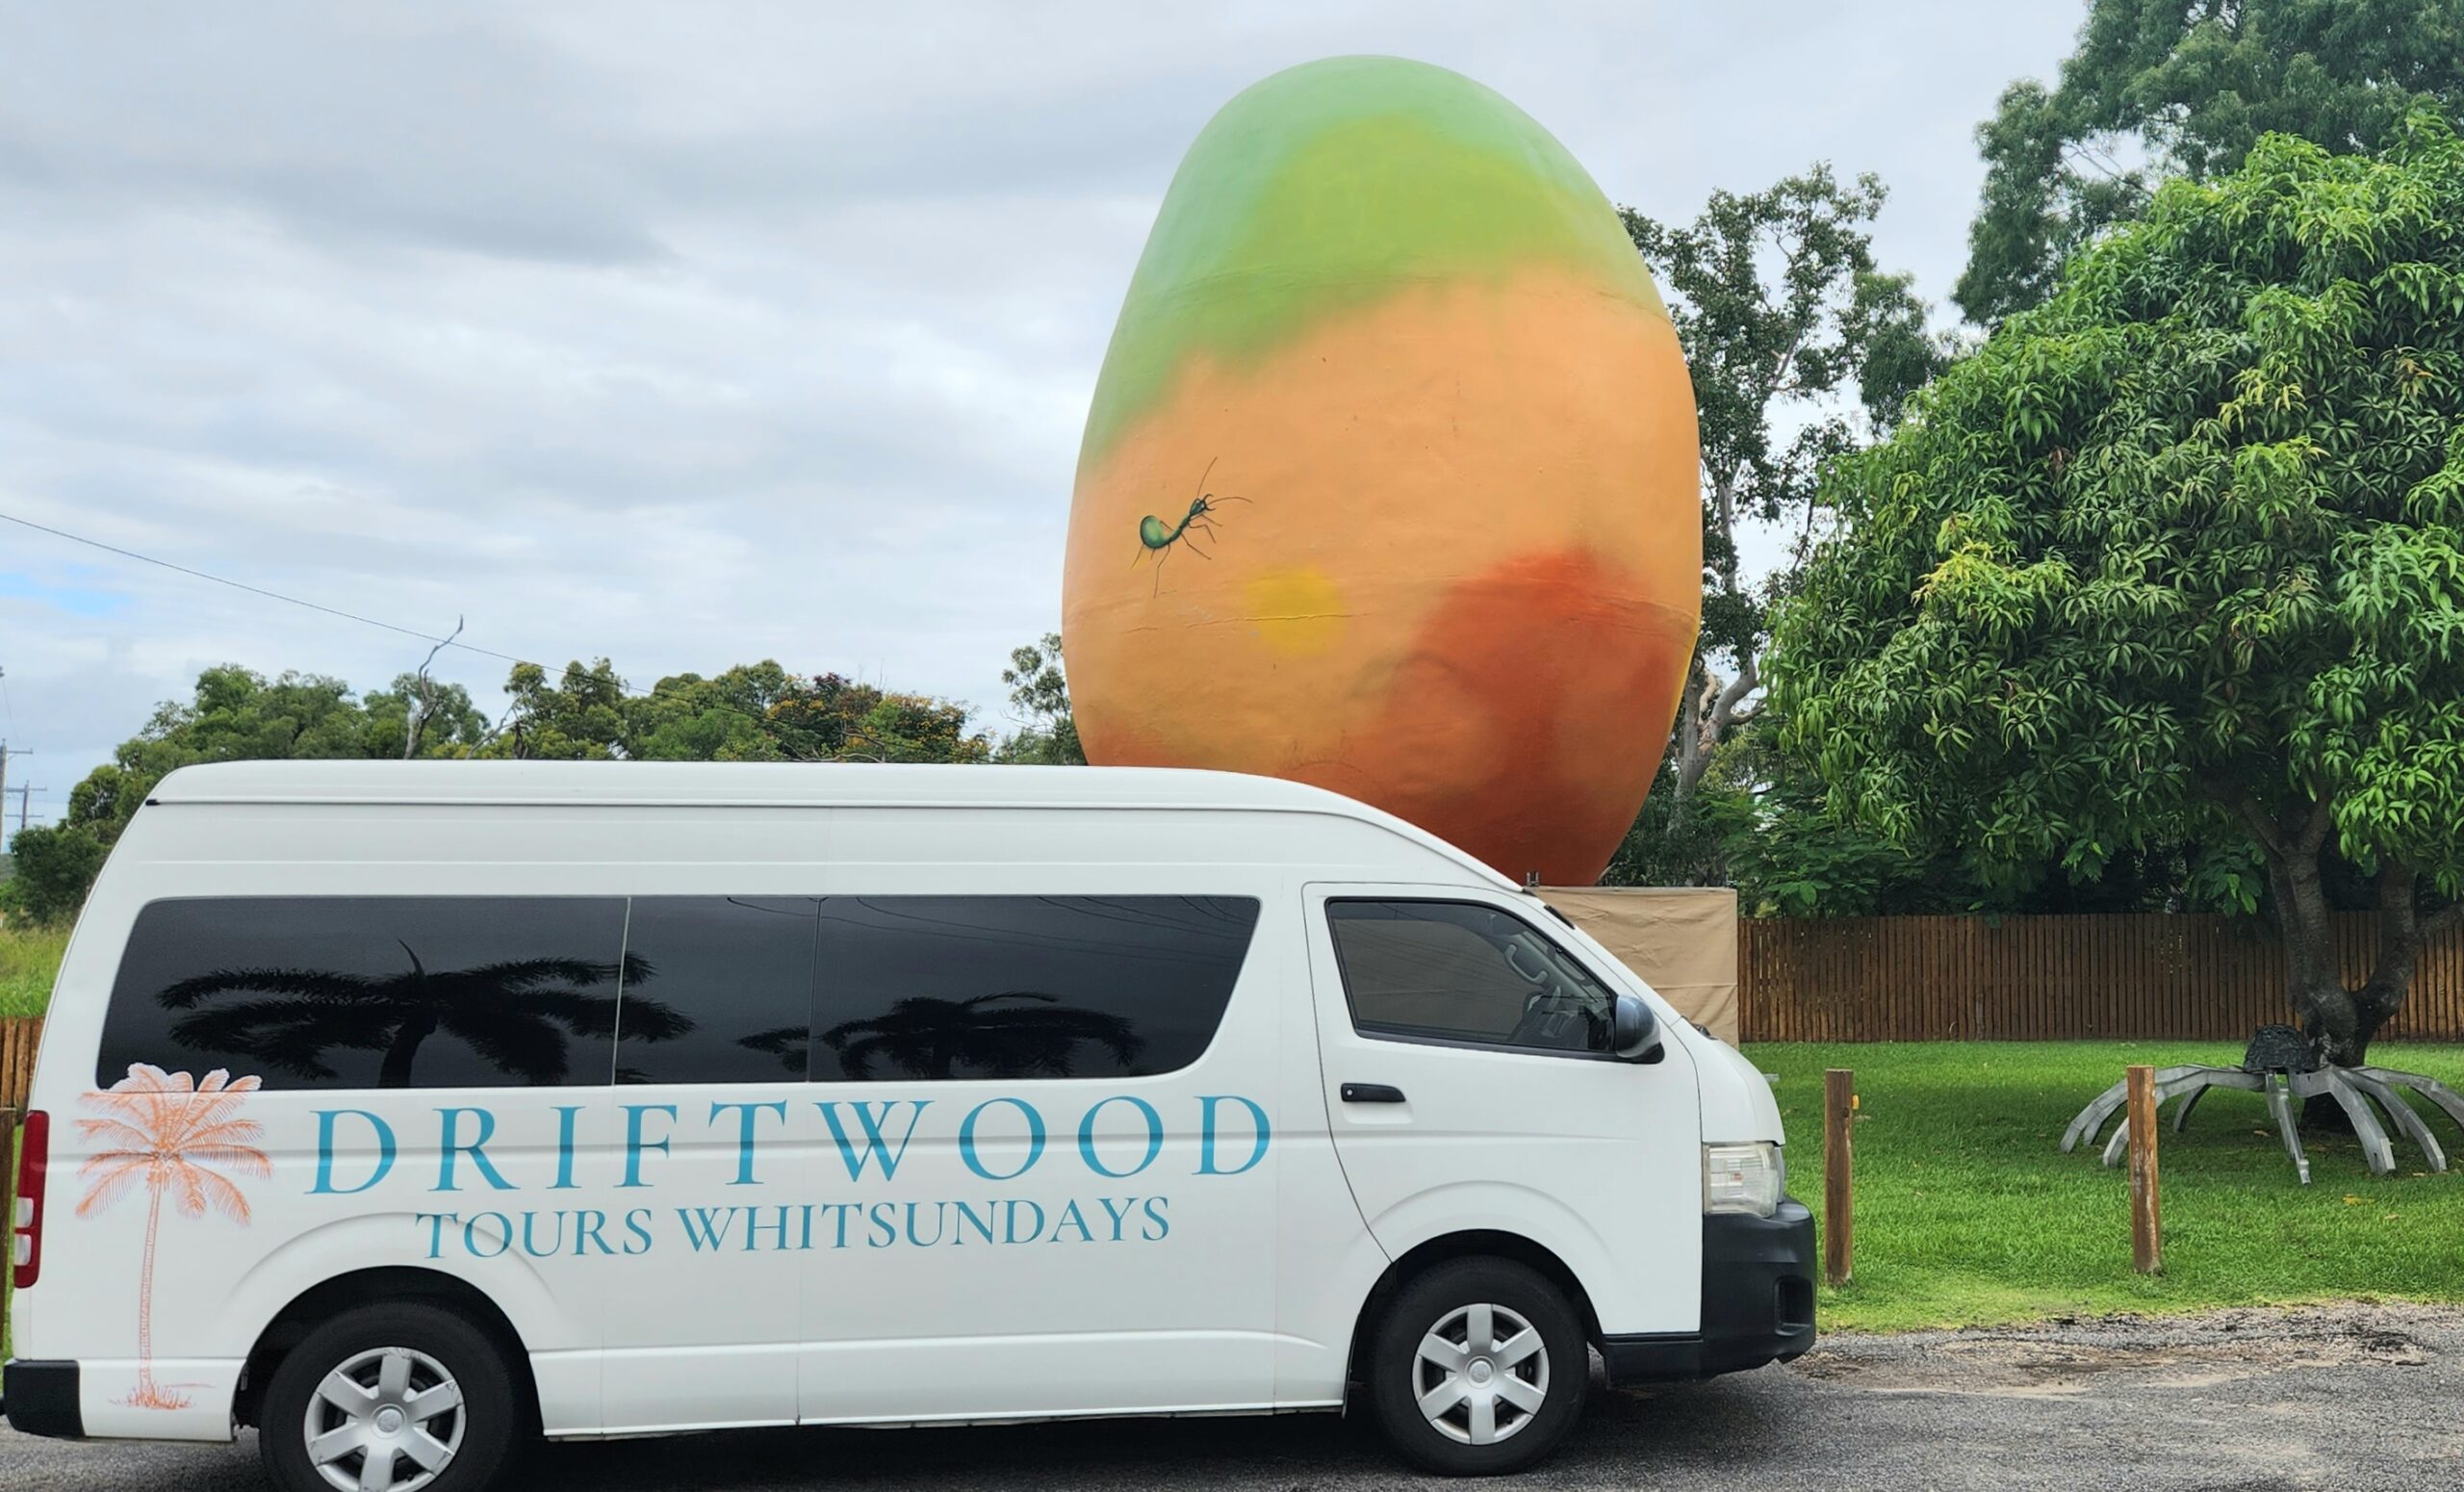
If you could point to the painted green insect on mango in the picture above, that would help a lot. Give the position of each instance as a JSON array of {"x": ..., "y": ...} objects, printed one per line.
[{"x": 1156, "y": 537}]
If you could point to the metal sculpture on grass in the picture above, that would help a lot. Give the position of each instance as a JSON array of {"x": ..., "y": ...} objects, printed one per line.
[{"x": 2282, "y": 1065}]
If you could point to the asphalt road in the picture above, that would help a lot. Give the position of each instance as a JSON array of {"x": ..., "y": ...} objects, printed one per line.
[{"x": 2357, "y": 1398}]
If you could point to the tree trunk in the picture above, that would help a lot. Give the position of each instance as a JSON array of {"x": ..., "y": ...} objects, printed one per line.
[
  {"x": 395, "y": 1071},
  {"x": 2339, "y": 1022},
  {"x": 147, "y": 1395},
  {"x": 1710, "y": 705},
  {"x": 1690, "y": 757},
  {"x": 2401, "y": 935},
  {"x": 2313, "y": 975}
]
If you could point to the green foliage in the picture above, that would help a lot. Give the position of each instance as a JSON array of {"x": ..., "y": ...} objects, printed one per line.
[
  {"x": 1797, "y": 857},
  {"x": 752, "y": 712},
  {"x": 1750, "y": 823},
  {"x": 757, "y": 712},
  {"x": 2175, "y": 553},
  {"x": 240, "y": 716},
  {"x": 1039, "y": 691},
  {"x": 1760, "y": 820},
  {"x": 1969, "y": 1213},
  {"x": 1683, "y": 844},
  {"x": 29, "y": 960},
  {"x": 55, "y": 865},
  {"x": 2189, "y": 87}
]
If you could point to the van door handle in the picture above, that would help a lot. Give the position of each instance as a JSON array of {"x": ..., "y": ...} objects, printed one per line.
[{"x": 1372, "y": 1093}]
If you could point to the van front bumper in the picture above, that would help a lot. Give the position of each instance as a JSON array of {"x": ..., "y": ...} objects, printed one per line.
[
  {"x": 40, "y": 1399},
  {"x": 1758, "y": 1302}
]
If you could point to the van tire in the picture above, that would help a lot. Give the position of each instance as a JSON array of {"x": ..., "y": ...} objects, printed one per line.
[
  {"x": 1447, "y": 1301},
  {"x": 438, "y": 1342}
]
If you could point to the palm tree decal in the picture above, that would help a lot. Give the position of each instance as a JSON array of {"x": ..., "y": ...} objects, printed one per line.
[
  {"x": 926, "y": 1038},
  {"x": 173, "y": 1135},
  {"x": 516, "y": 1014}
]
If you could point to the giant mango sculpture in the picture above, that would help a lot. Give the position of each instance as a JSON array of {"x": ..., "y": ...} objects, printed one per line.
[{"x": 1389, "y": 483}]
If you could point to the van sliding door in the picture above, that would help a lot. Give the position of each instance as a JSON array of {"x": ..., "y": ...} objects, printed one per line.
[{"x": 1047, "y": 1158}]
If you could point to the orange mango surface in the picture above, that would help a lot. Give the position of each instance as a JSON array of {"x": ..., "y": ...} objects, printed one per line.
[{"x": 1423, "y": 531}]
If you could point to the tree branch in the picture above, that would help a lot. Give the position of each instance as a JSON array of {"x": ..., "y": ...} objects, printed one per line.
[
  {"x": 2261, "y": 825},
  {"x": 423, "y": 703},
  {"x": 2400, "y": 943},
  {"x": 1715, "y": 720},
  {"x": 2313, "y": 830}
]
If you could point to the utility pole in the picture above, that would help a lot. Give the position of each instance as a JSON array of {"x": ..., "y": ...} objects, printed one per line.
[{"x": 25, "y": 799}]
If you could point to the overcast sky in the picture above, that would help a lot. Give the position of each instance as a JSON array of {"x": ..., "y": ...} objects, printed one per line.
[{"x": 688, "y": 335}]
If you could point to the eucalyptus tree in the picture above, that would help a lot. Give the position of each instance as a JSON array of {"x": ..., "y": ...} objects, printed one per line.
[
  {"x": 2179, "y": 555},
  {"x": 1782, "y": 314},
  {"x": 2185, "y": 89}
]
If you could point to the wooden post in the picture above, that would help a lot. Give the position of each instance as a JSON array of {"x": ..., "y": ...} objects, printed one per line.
[
  {"x": 1838, "y": 1112},
  {"x": 2147, "y": 1227}
]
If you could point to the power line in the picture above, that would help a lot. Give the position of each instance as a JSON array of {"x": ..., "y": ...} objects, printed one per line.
[
  {"x": 254, "y": 590},
  {"x": 450, "y": 640}
]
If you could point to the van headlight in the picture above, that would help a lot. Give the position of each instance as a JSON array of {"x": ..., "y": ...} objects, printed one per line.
[{"x": 1747, "y": 1177}]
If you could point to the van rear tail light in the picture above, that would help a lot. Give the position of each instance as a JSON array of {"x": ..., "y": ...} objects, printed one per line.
[{"x": 25, "y": 1215}]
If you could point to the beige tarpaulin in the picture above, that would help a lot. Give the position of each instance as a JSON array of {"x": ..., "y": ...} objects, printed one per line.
[{"x": 1681, "y": 940}]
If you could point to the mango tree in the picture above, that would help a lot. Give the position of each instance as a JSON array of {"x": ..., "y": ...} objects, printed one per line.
[{"x": 2180, "y": 553}]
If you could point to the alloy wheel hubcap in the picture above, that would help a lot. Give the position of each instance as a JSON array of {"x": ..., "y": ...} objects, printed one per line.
[
  {"x": 1480, "y": 1374},
  {"x": 387, "y": 1420}
]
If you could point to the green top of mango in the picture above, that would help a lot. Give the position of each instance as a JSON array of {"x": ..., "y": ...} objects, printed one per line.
[{"x": 1330, "y": 186}]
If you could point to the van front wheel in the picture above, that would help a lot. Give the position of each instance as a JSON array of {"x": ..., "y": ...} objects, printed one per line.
[
  {"x": 1479, "y": 1368},
  {"x": 391, "y": 1398}
]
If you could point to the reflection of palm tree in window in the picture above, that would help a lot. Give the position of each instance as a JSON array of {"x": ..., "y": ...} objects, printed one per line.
[
  {"x": 926, "y": 1038},
  {"x": 517, "y": 1015},
  {"x": 787, "y": 1043}
]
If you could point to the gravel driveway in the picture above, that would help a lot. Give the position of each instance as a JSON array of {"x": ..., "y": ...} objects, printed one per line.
[{"x": 2349, "y": 1396}]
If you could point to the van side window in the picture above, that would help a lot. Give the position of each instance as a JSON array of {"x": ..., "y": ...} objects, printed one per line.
[
  {"x": 370, "y": 991},
  {"x": 938, "y": 988},
  {"x": 1460, "y": 971},
  {"x": 717, "y": 990}
]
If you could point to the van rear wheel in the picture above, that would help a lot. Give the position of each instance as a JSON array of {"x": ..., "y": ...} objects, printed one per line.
[
  {"x": 1479, "y": 1368},
  {"x": 397, "y": 1396}
]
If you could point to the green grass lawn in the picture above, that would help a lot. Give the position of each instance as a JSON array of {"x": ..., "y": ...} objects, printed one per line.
[
  {"x": 1968, "y": 1212},
  {"x": 29, "y": 957}
]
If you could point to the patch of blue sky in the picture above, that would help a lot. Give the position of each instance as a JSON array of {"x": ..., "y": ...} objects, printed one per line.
[{"x": 71, "y": 596}]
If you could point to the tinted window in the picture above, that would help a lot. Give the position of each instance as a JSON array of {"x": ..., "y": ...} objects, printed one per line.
[
  {"x": 1460, "y": 971},
  {"x": 717, "y": 990},
  {"x": 370, "y": 992},
  {"x": 968, "y": 987}
]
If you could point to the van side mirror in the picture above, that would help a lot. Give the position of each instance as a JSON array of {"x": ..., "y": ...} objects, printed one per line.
[{"x": 1634, "y": 1030}]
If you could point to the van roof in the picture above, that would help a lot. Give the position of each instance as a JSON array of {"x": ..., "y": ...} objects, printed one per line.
[{"x": 772, "y": 783}]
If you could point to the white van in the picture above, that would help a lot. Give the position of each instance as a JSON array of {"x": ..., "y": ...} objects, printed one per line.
[{"x": 404, "y": 1110}]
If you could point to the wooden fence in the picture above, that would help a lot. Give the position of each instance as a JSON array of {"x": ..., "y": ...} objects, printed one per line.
[
  {"x": 2054, "y": 978},
  {"x": 18, "y": 1038}
]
